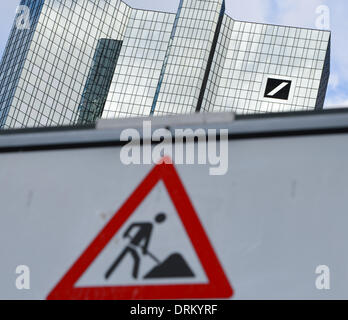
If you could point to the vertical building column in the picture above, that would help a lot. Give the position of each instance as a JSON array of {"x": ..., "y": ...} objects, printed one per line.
[
  {"x": 324, "y": 81},
  {"x": 99, "y": 80},
  {"x": 186, "y": 67},
  {"x": 211, "y": 58},
  {"x": 13, "y": 60}
]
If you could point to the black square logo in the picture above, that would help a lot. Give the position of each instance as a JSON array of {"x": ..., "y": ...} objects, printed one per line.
[{"x": 277, "y": 89}]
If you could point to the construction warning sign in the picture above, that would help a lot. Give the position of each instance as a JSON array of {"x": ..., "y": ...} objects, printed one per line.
[
  {"x": 77, "y": 223},
  {"x": 154, "y": 247}
]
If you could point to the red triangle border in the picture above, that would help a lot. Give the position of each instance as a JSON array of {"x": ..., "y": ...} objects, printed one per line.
[{"x": 218, "y": 285}]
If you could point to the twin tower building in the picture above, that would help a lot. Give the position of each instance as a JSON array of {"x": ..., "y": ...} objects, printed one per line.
[{"x": 74, "y": 61}]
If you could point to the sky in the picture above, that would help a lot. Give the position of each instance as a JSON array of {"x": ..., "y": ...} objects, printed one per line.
[{"x": 300, "y": 13}]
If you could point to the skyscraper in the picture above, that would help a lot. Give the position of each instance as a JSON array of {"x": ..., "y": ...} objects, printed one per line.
[{"x": 80, "y": 60}]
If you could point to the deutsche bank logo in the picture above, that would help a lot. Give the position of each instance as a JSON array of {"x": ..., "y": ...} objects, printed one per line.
[{"x": 278, "y": 89}]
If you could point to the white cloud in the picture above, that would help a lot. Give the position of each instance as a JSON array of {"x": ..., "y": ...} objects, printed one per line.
[
  {"x": 337, "y": 102},
  {"x": 334, "y": 81},
  {"x": 252, "y": 10},
  {"x": 298, "y": 13}
]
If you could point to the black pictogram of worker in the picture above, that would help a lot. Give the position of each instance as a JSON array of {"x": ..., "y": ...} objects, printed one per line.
[{"x": 140, "y": 240}]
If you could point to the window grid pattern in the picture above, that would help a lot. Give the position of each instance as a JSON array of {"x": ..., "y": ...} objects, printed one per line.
[
  {"x": 165, "y": 65},
  {"x": 216, "y": 69},
  {"x": 188, "y": 57},
  {"x": 141, "y": 59},
  {"x": 165, "y": 62},
  {"x": 13, "y": 60},
  {"x": 256, "y": 50},
  {"x": 99, "y": 80},
  {"x": 60, "y": 57}
]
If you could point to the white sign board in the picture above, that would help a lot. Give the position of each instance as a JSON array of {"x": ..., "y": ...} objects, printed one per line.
[{"x": 82, "y": 225}]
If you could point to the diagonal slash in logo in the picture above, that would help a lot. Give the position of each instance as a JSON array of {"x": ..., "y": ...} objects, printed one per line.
[{"x": 277, "y": 89}]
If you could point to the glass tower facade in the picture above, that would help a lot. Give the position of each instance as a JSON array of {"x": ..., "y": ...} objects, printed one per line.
[
  {"x": 99, "y": 80},
  {"x": 13, "y": 61},
  {"x": 141, "y": 59},
  {"x": 249, "y": 54},
  {"x": 80, "y": 60}
]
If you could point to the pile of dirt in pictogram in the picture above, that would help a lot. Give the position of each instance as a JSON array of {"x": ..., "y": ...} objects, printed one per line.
[{"x": 173, "y": 267}]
